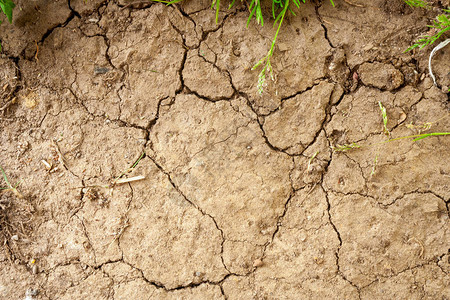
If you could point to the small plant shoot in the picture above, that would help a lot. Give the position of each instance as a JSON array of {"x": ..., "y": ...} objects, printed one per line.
[{"x": 385, "y": 119}]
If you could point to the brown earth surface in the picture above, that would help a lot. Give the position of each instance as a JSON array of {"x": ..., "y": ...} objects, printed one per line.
[{"x": 243, "y": 197}]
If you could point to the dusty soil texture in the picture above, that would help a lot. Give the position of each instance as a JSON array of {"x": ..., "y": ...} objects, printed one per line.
[{"x": 243, "y": 197}]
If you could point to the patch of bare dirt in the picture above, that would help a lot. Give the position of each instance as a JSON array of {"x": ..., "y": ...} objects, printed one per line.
[{"x": 242, "y": 196}]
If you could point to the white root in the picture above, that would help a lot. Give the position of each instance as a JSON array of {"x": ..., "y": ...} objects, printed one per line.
[{"x": 440, "y": 46}]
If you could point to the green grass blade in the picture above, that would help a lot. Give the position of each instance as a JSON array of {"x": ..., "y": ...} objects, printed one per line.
[
  {"x": 7, "y": 7},
  {"x": 384, "y": 116},
  {"x": 4, "y": 177}
]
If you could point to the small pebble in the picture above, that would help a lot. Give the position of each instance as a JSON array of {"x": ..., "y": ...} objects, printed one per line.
[
  {"x": 257, "y": 263},
  {"x": 31, "y": 293},
  {"x": 100, "y": 70}
]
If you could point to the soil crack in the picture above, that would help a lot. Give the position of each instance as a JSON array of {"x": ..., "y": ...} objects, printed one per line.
[{"x": 341, "y": 274}]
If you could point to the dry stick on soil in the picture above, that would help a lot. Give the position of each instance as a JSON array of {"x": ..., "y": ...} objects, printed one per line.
[
  {"x": 131, "y": 179},
  {"x": 354, "y": 4},
  {"x": 424, "y": 126},
  {"x": 60, "y": 156},
  {"x": 119, "y": 179},
  {"x": 7, "y": 104}
]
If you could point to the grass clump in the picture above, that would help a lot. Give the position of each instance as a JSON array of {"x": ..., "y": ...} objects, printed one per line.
[
  {"x": 417, "y": 3},
  {"x": 279, "y": 10},
  {"x": 441, "y": 25},
  {"x": 281, "y": 7}
]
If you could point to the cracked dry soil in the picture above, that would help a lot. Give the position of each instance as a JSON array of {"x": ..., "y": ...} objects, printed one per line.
[{"x": 232, "y": 206}]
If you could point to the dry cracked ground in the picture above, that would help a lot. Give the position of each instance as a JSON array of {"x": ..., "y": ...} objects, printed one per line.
[{"x": 243, "y": 197}]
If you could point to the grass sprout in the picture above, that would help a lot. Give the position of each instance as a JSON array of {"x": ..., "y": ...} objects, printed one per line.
[
  {"x": 311, "y": 159},
  {"x": 255, "y": 10},
  {"x": 385, "y": 118},
  {"x": 9, "y": 186},
  {"x": 266, "y": 60},
  {"x": 217, "y": 4},
  {"x": 415, "y": 137},
  {"x": 284, "y": 5},
  {"x": 374, "y": 167}
]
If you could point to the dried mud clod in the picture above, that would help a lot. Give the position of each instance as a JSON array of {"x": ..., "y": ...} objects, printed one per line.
[{"x": 382, "y": 76}]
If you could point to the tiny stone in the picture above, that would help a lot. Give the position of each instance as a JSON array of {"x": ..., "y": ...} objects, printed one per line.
[
  {"x": 257, "y": 263},
  {"x": 31, "y": 292},
  {"x": 100, "y": 70},
  {"x": 332, "y": 66}
]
